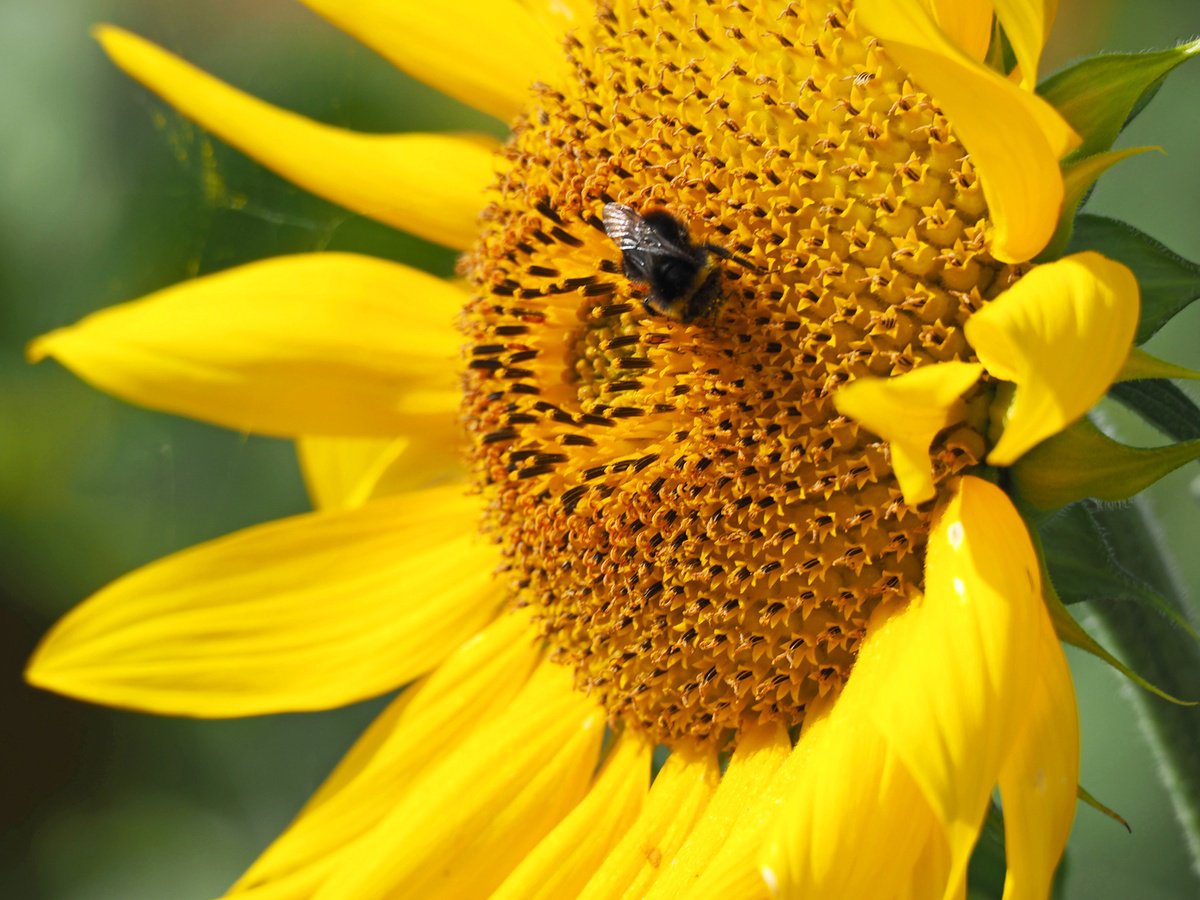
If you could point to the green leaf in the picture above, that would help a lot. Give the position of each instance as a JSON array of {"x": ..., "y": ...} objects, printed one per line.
[
  {"x": 1099, "y": 96},
  {"x": 1082, "y": 565},
  {"x": 1082, "y": 461},
  {"x": 1157, "y": 649},
  {"x": 1161, "y": 404},
  {"x": 1071, "y": 632},
  {"x": 1168, "y": 281}
]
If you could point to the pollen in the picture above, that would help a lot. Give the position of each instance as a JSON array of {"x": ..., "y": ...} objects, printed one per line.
[{"x": 698, "y": 532}]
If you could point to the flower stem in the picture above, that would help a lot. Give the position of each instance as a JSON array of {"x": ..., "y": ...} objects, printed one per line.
[{"x": 1161, "y": 652}]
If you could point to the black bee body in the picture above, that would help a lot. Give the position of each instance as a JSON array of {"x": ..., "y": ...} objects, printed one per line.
[{"x": 656, "y": 250}]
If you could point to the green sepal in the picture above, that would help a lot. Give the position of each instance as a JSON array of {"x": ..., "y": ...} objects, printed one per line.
[
  {"x": 1142, "y": 365},
  {"x": 1071, "y": 632},
  {"x": 1081, "y": 461},
  {"x": 1083, "y": 794},
  {"x": 1082, "y": 566},
  {"x": 1156, "y": 647},
  {"x": 1168, "y": 282},
  {"x": 1163, "y": 405},
  {"x": 1080, "y": 175},
  {"x": 1099, "y": 96}
]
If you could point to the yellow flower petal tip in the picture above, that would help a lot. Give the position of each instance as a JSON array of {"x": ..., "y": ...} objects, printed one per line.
[
  {"x": 968, "y": 24},
  {"x": 1061, "y": 334},
  {"x": 908, "y": 411},
  {"x": 1026, "y": 25},
  {"x": 435, "y": 183},
  {"x": 312, "y": 344}
]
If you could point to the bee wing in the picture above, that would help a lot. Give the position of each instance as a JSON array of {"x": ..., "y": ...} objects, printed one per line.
[
  {"x": 623, "y": 225},
  {"x": 631, "y": 233}
]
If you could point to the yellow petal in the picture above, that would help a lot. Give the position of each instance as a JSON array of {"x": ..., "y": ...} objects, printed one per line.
[
  {"x": 968, "y": 23},
  {"x": 561, "y": 15},
  {"x": 908, "y": 411},
  {"x": 731, "y": 818},
  {"x": 962, "y": 650},
  {"x": 1014, "y": 137},
  {"x": 486, "y": 53},
  {"x": 343, "y": 473},
  {"x": 1027, "y": 24},
  {"x": 929, "y": 875},
  {"x": 310, "y": 612},
  {"x": 340, "y": 472},
  {"x": 853, "y": 819},
  {"x": 676, "y": 801},
  {"x": 1061, "y": 334},
  {"x": 430, "y": 719},
  {"x": 473, "y": 816},
  {"x": 1039, "y": 780},
  {"x": 327, "y": 343},
  {"x": 429, "y": 185},
  {"x": 567, "y": 857}
]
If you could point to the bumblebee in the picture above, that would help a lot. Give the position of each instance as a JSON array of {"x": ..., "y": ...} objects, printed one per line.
[{"x": 656, "y": 250}]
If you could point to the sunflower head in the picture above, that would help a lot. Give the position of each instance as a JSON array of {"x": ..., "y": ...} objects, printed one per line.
[
  {"x": 751, "y": 310},
  {"x": 699, "y": 531}
]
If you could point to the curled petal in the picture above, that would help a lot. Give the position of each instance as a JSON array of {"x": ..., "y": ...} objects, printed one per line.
[
  {"x": 968, "y": 23},
  {"x": 427, "y": 184},
  {"x": 962, "y": 650},
  {"x": 1027, "y": 24},
  {"x": 852, "y": 817},
  {"x": 1015, "y": 138},
  {"x": 1061, "y": 334},
  {"x": 1039, "y": 780},
  {"x": 908, "y": 411},
  {"x": 897, "y": 776},
  {"x": 328, "y": 343}
]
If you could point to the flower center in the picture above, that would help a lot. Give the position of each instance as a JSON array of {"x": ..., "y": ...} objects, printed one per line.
[{"x": 700, "y": 535}]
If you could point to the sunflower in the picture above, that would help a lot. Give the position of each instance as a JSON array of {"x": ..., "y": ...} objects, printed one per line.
[{"x": 752, "y": 510}]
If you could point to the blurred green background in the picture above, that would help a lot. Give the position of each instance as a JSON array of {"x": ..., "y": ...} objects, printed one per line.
[{"x": 107, "y": 195}]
